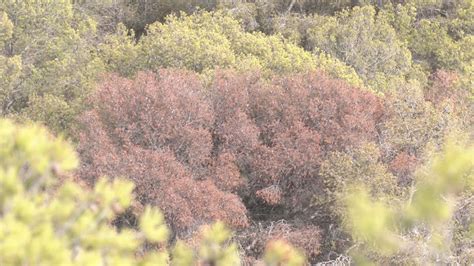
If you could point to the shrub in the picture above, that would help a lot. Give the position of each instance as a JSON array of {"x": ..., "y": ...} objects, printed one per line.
[
  {"x": 47, "y": 218},
  {"x": 410, "y": 123},
  {"x": 156, "y": 131},
  {"x": 339, "y": 172},
  {"x": 279, "y": 130},
  {"x": 200, "y": 153},
  {"x": 46, "y": 50},
  {"x": 373, "y": 50},
  {"x": 205, "y": 41},
  {"x": 421, "y": 230},
  {"x": 360, "y": 166}
]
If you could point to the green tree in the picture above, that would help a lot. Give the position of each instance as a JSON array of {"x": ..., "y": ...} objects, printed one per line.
[
  {"x": 361, "y": 165},
  {"x": 205, "y": 41},
  {"x": 410, "y": 122},
  {"x": 342, "y": 170},
  {"x": 365, "y": 41},
  {"x": 10, "y": 67},
  {"x": 439, "y": 37},
  {"x": 48, "y": 58}
]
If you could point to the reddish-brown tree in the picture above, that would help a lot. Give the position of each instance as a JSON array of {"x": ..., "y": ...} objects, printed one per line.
[
  {"x": 201, "y": 153},
  {"x": 278, "y": 130},
  {"x": 341, "y": 114},
  {"x": 156, "y": 130}
]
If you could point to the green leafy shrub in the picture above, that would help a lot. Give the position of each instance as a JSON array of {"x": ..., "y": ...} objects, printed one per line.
[
  {"x": 46, "y": 48},
  {"x": 342, "y": 170},
  {"x": 364, "y": 41},
  {"x": 438, "y": 36},
  {"x": 205, "y": 41},
  {"x": 410, "y": 122},
  {"x": 362, "y": 165},
  {"x": 423, "y": 229}
]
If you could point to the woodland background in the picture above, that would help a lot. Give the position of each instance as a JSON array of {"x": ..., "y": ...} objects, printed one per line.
[{"x": 316, "y": 131}]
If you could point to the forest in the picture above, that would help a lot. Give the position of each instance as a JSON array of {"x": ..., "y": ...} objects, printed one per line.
[{"x": 236, "y": 132}]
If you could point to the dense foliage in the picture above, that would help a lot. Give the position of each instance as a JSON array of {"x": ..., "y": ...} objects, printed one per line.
[
  {"x": 48, "y": 219},
  {"x": 49, "y": 61},
  {"x": 305, "y": 127}
]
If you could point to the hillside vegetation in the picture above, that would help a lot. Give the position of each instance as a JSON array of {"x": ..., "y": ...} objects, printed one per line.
[{"x": 264, "y": 132}]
